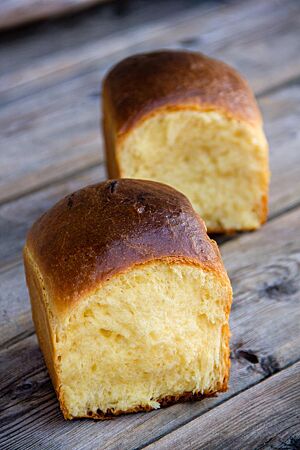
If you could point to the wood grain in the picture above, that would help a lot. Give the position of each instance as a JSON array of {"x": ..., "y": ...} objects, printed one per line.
[
  {"x": 18, "y": 12},
  {"x": 16, "y": 217},
  {"x": 15, "y": 315},
  {"x": 50, "y": 114},
  {"x": 264, "y": 268},
  {"x": 267, "y": 414},
  {"x": 28, "y": 45},
  {"x": 281, "y": 115},
  {"x": 213, "y": 27}
]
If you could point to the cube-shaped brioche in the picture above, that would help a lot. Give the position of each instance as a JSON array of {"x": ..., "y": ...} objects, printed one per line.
[
  {"x": 192, "y": 122},
  {"x": 130, "y": 299}
]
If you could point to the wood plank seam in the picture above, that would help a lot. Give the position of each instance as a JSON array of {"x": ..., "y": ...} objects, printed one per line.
[
  {"x": 221, "y": 405},
  {"x": 53, "y": 406},
  {"x": 51, "y": 182},
  {"x": 45, "y": 400},
  {"x": 34, "y": 413},
  {"x": 284, "y": 445},
  {"x": 277, "y": 87},
  {"x": 111, "y": 44},
  {"x": 16, "y": 339},
  {"x": 162, "y": 27}
]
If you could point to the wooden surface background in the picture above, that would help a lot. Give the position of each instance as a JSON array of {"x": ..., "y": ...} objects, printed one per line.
[
  {"x": 51, "y": 145},
  {"x": 19, "y": 12}
]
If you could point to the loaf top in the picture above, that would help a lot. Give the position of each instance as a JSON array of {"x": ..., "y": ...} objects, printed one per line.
[
  {"x": 107, "y": 228},
  {"x": 141, "y": 84}
]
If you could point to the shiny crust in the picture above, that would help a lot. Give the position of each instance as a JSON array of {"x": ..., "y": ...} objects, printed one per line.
[
  {"x": 105, "y": 229},
  {"x": 143, "y": 84}
]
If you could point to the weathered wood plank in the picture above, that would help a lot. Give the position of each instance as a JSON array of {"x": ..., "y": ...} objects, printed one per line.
[
  {"x": 18, "y": 12},
  {"x": 281, "y": 111},
  {"x": 264, "y": 268},
  {"x": 53, "y": 129},
  {"x": 15, "y": 315},
  {"x": 52, "y": 37},
  {"x": 265, "y": 416},
  {"x": 214, "y": 27},
  {"x": 281, "y": 115}
]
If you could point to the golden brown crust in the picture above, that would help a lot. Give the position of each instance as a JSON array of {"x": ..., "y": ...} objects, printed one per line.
[
  {"x": 105, "y": 229},
  {"x": 264, "y": 211},
  {"x": 142, "y": 84},
  {"x": 41, "y": 316},
  {"x": 43, "y": 322}
]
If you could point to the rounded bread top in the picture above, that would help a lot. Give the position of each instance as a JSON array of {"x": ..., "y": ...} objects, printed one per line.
[
  {"x": 107, "y": 228},
  {"x": 141, "y": 84}
]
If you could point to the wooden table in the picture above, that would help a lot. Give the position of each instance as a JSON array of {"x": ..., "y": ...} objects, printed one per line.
[{"x": 51, "y": 145}]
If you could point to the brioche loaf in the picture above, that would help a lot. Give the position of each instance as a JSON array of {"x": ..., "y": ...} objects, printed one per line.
[
  {"x": 192, "y": 122},
  {"x": 130, "y": 299}
]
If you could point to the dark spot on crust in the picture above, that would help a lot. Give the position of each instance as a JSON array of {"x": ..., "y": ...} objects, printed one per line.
[
  {"x": 90, "y": 413},
  {"x": 70, "y": 201},
  {"x": 141, "y": 198},
  {"x": 99, "y": 411},
  {"x": 113, "y": 186},
  {"x": 248, "y": 355}
]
